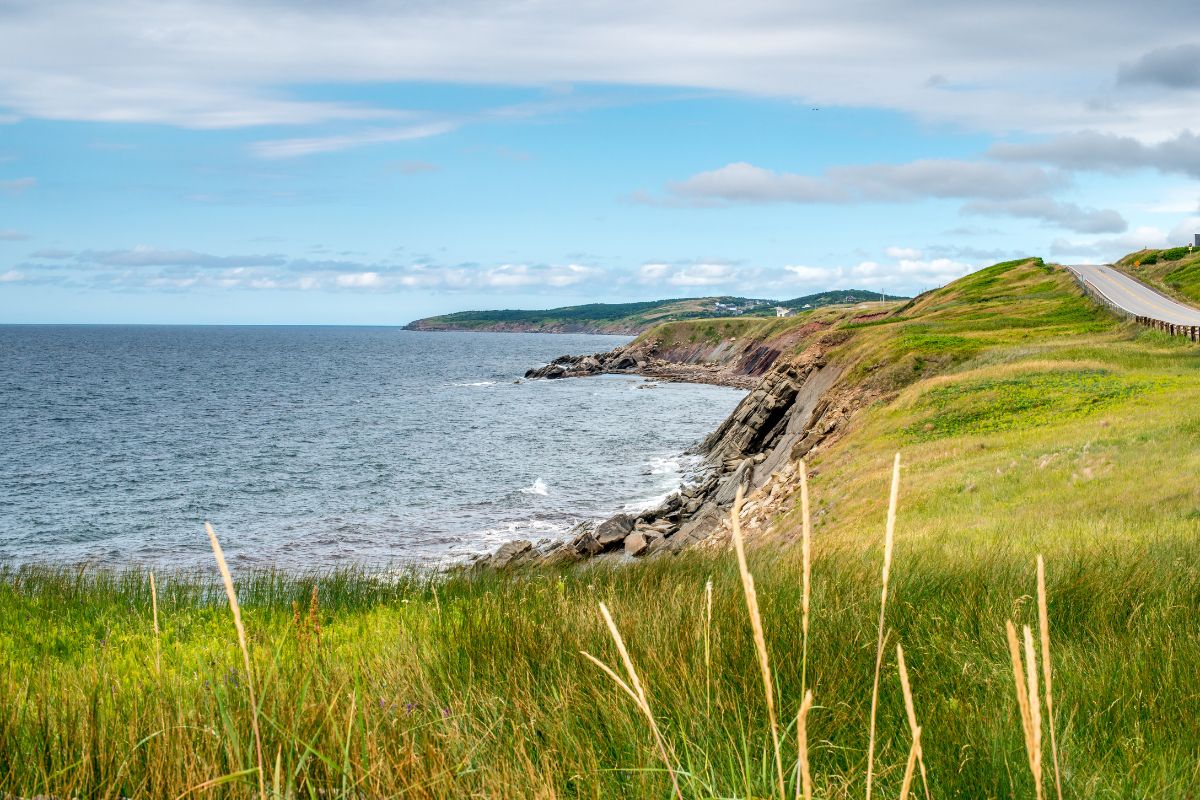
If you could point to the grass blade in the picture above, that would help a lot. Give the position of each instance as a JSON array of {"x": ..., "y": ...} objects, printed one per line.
[
  {"x": 1044, "y": 630},
  {"x": 888, "y": 540},
  {"x": 760, "y": 641},
  {"x": 911, "y": 710},
  {"x": 806, "y": 554},
  {"x": 227, "y": 579},
  {"x": 805, "y": 783}
]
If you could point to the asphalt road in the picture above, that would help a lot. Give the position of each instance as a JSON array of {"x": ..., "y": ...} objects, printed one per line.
[{"x": 1134, "y": 297}]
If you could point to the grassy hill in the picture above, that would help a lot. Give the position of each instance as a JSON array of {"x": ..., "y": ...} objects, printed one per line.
[
  {"x": 1176, "y": 271},
  {"x": 1030, "y": 420},
  {"x": 630, "y": 318}
]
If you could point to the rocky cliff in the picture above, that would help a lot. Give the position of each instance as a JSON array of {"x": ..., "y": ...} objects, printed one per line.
[{"x": 797, "y": 405}]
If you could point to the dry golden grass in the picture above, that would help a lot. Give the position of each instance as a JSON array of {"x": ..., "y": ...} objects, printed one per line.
[
  {"x": 805, "y": 784},
  {"x": 888, "y": 544},
  {"x": 154, "y": 612},
  {"x": 910, "y": 711},
  {"x": 1044, "y": 630},
  {"x": 227, "y": 579},
  {"x": 806, "y": 569},
  {"x": 637, "y": 693},
  {"x": 760, "y": 641}
]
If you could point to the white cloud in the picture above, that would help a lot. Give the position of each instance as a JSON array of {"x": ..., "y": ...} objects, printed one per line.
[
  {"x": 653, "y": 273},
  {"x": 358, "y": 280},
  {"x": 1110, "y": 248},
  {"x": 702, "y": 275},
  {"x": 1052, "y": 212},
  {"x": 292, "y": 148},
  {"x": 810, "y": 274},
  {"x": 12, "y": 236},
  {"x": 914, "y": 180},
  {"x": 12, "y": 276},
  {"x": 903, "y": 252},
  {"x": 223, "y": 63}
]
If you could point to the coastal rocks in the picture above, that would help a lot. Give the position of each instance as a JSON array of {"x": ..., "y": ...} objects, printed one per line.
[
  {"x": 639, "y": 541},
  {"x": 510, "y": 554},
  {"x": 614, "y": 530},
  {"x": 642, "y": 358}
]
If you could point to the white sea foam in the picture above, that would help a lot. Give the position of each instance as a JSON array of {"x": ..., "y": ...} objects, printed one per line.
[
  {"x": 539, "y": 488},
  {"x": 476, "y": 383},
  {"x": 668, "y": 465}
]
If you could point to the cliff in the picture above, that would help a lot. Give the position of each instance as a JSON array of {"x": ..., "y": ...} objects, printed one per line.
[{"x": 812, "y": 378}]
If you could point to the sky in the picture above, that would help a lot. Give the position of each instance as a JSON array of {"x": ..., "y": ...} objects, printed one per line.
[{"x": 371, "y": 162}]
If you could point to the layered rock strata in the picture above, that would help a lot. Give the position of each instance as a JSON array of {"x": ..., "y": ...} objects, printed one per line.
[{"x": 794, "y": 409}]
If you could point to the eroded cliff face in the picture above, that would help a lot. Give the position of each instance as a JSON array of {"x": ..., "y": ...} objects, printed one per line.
[
  {"x": 796, "y": 407},
  {"x": 732, "y": 361}
]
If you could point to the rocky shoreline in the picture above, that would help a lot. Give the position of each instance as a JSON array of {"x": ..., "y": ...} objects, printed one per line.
[{"x": 794, "y": 407}]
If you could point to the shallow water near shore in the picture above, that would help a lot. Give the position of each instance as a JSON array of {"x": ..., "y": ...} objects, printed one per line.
[{"x": 316, "y": 446}]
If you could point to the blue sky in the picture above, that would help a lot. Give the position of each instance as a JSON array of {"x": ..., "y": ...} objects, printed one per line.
[{"x": 374, "y": 162}]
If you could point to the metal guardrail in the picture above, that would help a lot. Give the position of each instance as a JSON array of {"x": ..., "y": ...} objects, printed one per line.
[{"x": 1192, "y": 332}]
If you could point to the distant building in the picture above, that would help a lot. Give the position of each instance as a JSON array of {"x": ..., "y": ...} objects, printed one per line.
[{"x": 780, "y": 311}]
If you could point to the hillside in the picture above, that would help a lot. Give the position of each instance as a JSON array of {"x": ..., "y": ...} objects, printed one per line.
[
  {"x": 1175, "y": 272},
  {"x": 630, "y": 318},
  {"x": 1030, "y": 421}
]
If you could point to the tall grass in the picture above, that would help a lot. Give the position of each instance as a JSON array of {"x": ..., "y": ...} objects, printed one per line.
[{"x": 458, "y": 685}]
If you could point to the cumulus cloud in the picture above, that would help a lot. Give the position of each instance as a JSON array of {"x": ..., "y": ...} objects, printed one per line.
[
  {"x": 1103, "y": 152},
  {"x": 1052, "y": 212},
  {"x": 741, "y": 182},
  {"x": 1175, "y": 67},
  {"x": 1109, "y": 248},
  {"x": 903, "y": 270}
]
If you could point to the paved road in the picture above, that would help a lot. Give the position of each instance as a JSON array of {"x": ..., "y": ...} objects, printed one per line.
[{"x": 1136, "y": 298}]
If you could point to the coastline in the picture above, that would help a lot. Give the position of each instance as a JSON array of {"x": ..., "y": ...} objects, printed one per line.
[{"x": 793, "y": 406}]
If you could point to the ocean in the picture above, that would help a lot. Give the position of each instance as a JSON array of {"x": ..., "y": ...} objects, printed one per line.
[{"x": 311, "y": 447}]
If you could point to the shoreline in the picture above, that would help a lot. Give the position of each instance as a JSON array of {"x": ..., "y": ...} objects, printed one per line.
[{"x": 793, "y": 406}]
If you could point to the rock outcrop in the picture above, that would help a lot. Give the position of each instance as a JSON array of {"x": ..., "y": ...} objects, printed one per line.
[{"x": 795, "y": 408}]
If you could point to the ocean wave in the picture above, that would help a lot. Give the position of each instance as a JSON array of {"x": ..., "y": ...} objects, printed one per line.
[
  {"x": 644, "y": 504},
  {"x": 476, "y": 383},
  {"x": 539, "y": 488},
  {"x": 668, "y": 465}
]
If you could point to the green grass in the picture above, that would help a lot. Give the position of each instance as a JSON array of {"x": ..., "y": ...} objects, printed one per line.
[
  {"x": 1056, "y": 429},
  {"x": 1175, "y": 271},
  {"x": 476, "y": 687}
]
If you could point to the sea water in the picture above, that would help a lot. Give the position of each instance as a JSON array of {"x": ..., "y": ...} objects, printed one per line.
[{"x": 318, "y": 446}]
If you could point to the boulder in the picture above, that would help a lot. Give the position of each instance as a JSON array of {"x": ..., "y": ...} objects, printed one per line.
[
  {"x": 614, "y": 530},
  {"x": 561, "y": 555},
  {"x": 638, "y": 542},
  {"x": 740, "y": 477},
  {"x": 625, "y": 362},
  {"x": 510, "y": 553}
]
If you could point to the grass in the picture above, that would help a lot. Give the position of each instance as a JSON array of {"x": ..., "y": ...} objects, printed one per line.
[
  {"x": 1175, "y": 271},
  {"x": 397, "y": 684},
  {"x": 483, "y": 691}
]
